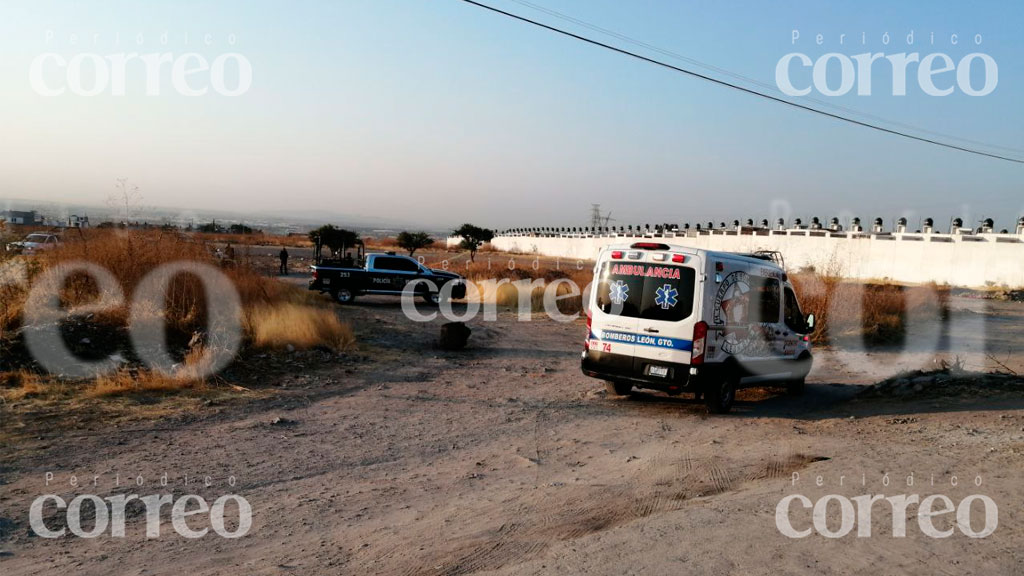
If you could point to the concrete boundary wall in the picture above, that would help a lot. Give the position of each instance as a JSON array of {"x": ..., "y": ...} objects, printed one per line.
[{"x": 976, "y": 260}]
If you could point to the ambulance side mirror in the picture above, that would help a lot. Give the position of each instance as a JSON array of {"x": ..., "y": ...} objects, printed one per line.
[{"x": 810, "y": 322}]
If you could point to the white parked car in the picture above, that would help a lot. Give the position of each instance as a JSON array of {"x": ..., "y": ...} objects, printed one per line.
[
  {"x": 688, "y": 320},
  {"x": 34, "y": 243}
]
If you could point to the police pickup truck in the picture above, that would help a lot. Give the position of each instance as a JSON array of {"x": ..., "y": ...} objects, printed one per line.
[{"x": 386, "y": 273}]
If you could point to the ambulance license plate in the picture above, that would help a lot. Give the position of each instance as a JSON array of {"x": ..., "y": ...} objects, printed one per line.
[{"x": 659, "y": 371}]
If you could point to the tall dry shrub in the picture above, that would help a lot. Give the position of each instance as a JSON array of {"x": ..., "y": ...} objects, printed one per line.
[
  {"x": 14, "y": 276},
  {"x": 503, "y": 286},
  {"x": 817, "y": 291},
  {"x": 872, "y": 313},
  {"x": 254, "y": 239},
  {"x": 129, "y": 255}
]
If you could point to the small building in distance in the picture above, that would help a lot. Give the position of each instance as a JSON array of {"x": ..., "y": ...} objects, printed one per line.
[
  {"x": 75, "y": 221},
  {"x": 24, "y": 217}
]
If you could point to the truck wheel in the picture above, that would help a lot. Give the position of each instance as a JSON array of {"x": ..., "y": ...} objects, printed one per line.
[
  {"x": 343, "y": 296},
  {"x": 719, "y": 396},
  {"x": 433, "y": 298},
  {"x": 618, "y": 388}
]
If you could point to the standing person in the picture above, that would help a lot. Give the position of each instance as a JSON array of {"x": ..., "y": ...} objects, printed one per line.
[
  {"x": 283, "y": 255},
  {"x": 229, "y": 256}
]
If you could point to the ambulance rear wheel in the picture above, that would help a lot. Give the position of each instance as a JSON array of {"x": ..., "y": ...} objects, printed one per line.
[
  {"x": 719, "y": 396},
  {"x": 795, "y": 387},
  {"x": 618, "y": 388}
]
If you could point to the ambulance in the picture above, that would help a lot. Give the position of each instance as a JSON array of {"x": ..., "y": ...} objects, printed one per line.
[{"x": 685, "y": 320}]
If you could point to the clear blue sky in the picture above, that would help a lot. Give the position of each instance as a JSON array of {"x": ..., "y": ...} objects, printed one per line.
[{"x": 438, "y": 112}]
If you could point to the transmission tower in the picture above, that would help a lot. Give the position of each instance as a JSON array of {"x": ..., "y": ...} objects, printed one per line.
[{"x": 595, "y": 216}]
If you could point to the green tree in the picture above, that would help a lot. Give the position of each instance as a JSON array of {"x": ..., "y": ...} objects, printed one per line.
[
  {"x": 337, "y": 239},
  {"x": 473, "y": 237},
  {"x": 413, "y": 241}
]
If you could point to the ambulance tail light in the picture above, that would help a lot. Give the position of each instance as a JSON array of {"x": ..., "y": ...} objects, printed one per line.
[
  {"x": 590, "y": 321},
  {"x": 649, "y": 246},
  {"x": 617, "y": 255},
  {"x": 700, "y": 335},
  {"x": 678, "y": 258}
]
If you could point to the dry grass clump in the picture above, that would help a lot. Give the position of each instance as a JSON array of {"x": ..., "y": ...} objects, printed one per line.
[
  {"x": 257, "y": 290},
  {"x": 18, "y": 384},
  {"x": 12, "y": 301},
  {"x": 254, "y": 239},
  {"x": 274, "y": 315},
  {"x": 877, "y": 312},
  {"x": 12, "y": 293},
  {"x": 510, "y": 288},
  {"x": 128, "y": 381},
  {"x": 382, "y": 243},
  {"x": 129, "y": 255},
  {"x": 303, "y": 327},
  {"x": 12, "y": 276}
]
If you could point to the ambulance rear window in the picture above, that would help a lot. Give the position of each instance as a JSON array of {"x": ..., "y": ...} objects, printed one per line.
[{"x": 649, "y": 291}]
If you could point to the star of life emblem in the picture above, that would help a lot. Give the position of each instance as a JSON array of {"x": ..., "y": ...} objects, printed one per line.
[
  {"x": 666, "y": 297},
  {"x": 618, "y": 292}
]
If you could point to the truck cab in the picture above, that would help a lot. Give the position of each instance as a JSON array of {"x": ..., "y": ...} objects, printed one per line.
[
  {"x": 383, "y": 273},
  {"x": 680, "y": 319}
]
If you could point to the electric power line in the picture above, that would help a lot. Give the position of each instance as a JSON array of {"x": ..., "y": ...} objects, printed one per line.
[
  {"x": 742, "y": 88},
  {"x": 749, "y": 80}
]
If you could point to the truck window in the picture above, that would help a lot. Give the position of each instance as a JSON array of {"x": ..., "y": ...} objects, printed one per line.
[
  {"x": 651, "y": 292},
  {"x": 766, "y": 303},
  {"x": 394, "y": 264},
  {"x": 794, "y": 317}
]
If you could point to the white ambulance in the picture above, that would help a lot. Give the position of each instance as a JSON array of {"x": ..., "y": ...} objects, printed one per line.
[{"x": 681, "y": 319}]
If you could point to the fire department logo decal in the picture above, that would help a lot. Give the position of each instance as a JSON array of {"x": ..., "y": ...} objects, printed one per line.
[{"x": 732, "y": 308}]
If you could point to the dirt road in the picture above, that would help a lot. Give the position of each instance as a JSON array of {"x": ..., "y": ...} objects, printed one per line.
[{"x": 504, "y": 459}]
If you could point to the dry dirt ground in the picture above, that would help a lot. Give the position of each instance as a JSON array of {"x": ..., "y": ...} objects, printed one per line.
[{"x": 504, "y": 459}]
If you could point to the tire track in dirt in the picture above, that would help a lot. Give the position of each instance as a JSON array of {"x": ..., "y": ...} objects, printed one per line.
[
  {"x": 666, "y": 484},
  {"x": 721, "y": 478}
]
